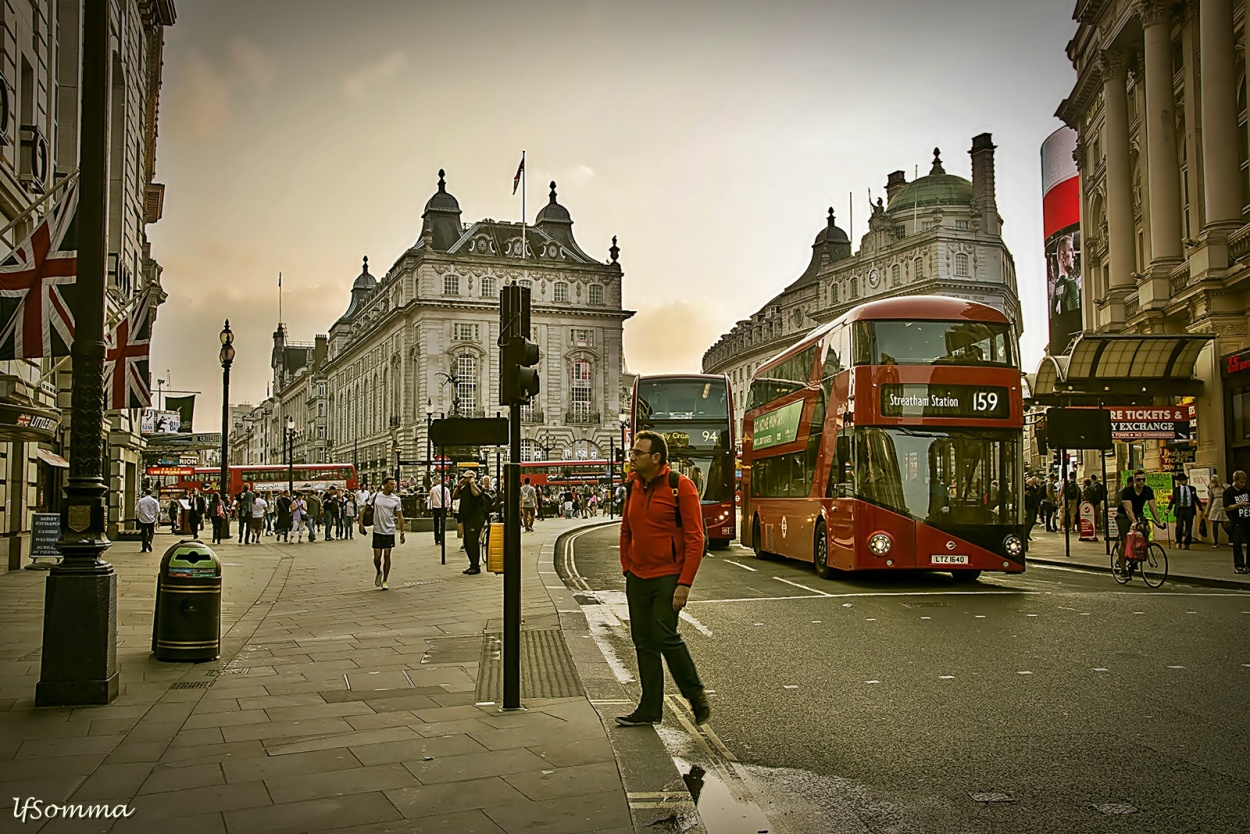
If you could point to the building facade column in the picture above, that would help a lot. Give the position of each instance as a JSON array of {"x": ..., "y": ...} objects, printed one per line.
[
  {"x": 1160, "y": 122},
  {"x": 1220, "y": 174},
  {"x": 1120, "y": 254}
]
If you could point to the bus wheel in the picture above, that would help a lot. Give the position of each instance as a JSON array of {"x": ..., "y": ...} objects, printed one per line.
[
  {"x": 756, "y": 544},
  {"x": 965, "y": 577},
  {"x": 820, "y": 553}
]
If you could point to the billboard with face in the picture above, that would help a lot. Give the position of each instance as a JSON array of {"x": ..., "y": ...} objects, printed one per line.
[{"x": 1061, "y": 211}]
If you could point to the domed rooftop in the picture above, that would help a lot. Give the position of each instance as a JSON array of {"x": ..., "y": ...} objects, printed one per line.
[
  {"x": 365, "y": 281},
  {"x": 939, "y": 188},
  {"x": 831, "y": 233},
  {"x": 442, "y": 201},
  {"x": 553, "y": 212}
]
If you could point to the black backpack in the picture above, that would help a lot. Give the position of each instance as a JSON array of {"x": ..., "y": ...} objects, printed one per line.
[
  {"x": 673, "y": 480},
  {"x": 1071, "y": 491}
]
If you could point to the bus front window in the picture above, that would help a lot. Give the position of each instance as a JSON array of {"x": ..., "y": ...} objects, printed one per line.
[
  {"x": 708, "y": 473},
  {"x": 936, "y": 342}
]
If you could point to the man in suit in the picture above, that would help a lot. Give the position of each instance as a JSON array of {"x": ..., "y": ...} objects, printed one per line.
[
  {"x": 195, "y": 517},
  {"x": 1184, "y": 505}
]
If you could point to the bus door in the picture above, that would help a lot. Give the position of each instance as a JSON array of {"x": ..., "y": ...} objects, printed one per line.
[{"x": 842, "y": 504}]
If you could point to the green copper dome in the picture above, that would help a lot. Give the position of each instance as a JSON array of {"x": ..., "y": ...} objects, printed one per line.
[{"x": 939, "y": 188}]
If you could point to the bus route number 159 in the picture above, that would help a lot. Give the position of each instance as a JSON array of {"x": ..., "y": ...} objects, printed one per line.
[{"x": 984, "y": 401}]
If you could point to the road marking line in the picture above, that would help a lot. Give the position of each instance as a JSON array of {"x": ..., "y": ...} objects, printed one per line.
[
  {"x": 872, "y": 681},
  {"x": 1176, "y": 667},
  {"x": 739, "y": 564},
  {"x": 804, "y": 587},
  {"x": 1100, "y": 668},
  {"x": 946, "y": 677},
  {"x": 1024, "y": 673},
  {"x": 700, "y": 627}
]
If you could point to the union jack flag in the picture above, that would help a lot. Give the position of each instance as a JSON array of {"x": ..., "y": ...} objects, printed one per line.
[
  {"x": 127, "y": 381},
  {"x": 36, "y": 282}
]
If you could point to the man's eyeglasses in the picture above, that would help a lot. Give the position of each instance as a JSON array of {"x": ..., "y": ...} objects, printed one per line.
[
  {"x": 633, "y": 453},
  {"x": 1139, "y": 480}
]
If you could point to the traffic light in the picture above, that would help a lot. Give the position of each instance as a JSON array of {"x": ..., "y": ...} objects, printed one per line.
[{"x": 518, "y": 382}]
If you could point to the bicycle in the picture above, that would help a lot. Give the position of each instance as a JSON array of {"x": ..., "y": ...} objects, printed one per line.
[{"x": 1152, "y": 559}]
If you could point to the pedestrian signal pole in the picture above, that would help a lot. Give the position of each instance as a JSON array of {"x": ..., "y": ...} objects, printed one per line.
[{"x": 518, "y": 383}]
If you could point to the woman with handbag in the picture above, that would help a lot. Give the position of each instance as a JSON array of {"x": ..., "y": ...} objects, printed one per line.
[
  {"x": 299, "y": 511},
  {"x": 217, "y": 512},
  {"x": 1217, "y": 516}
]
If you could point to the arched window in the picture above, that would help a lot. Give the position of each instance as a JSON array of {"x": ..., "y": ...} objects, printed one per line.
[
  {"x": 466, "y": 383},
  {"x": 579, "y": 390},
  {"x": 596, "y": 294},
  {"x": 833, "y": 294},
  {"x": 961, "y": 265},
  {"x": 918, "y": 268},
  {"x": 451, "y": 284},
  {"x": 561, "y": 292},
  {"x": 489, "y": 289},
  {"x": 895, "y": 275},
  {"x": 855, "y": 287}
]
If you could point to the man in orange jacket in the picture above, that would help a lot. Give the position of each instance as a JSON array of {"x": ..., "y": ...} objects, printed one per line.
[{"x": 659, "y": 557}]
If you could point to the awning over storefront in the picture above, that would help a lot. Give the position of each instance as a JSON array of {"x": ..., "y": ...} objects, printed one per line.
[
  {"x": 51, "y": 458},
  {"x": 26, "y": 422},
  {"x": 1120, "y": 369}
]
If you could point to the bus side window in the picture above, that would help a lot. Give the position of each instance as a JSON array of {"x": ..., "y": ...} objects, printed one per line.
[{"x": 842, "y": 473}]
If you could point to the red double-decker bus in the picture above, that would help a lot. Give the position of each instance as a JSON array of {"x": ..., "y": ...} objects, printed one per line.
[
  {"x": 890, "y": 439},
  {"x": 694, "y": 413},
  {"x": 261, "y": 477},
  {"x": 570, "y": 472}
]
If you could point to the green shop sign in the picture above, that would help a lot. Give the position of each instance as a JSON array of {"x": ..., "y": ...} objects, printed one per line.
[{"x": 781, "y": 425}]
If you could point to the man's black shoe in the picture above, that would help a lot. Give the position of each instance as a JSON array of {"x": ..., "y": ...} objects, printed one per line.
[
  {"x": 701, "y": 708},
  {"x": 473, "y": 571},
  {"x": 636, "y": 720}
]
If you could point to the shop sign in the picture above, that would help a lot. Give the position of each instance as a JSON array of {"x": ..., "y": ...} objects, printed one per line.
[
  {"x": 1236, "y": 363},
  {"x": 1169, "y": 422},
  {"x": 1174, "y": 458},
  {"x": 45, "y": 532},
  {"x": 170, "y": 471}
]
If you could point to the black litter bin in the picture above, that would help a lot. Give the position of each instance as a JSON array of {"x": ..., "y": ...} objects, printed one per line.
[{"x": 187, "y": 623}]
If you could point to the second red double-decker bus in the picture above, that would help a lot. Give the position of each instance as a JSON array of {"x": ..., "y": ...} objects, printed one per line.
[
  {"x": 890, "y": 439},
  {"x": 694, "y": 413}
]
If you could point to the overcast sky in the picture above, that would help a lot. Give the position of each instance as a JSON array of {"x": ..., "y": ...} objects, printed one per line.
[{"x": 296, "y": 136}]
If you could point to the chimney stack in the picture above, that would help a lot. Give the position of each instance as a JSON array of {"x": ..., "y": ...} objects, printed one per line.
[
  {"x": 894, "y": 184},
  {"x": 321, "y": 351},
  {"x": 983, "y": 198}
]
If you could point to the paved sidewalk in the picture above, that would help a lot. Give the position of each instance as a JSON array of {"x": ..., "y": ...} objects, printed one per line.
[
  {"x": 335, "y": 706},
  {"x": 1201, "y": 564}
]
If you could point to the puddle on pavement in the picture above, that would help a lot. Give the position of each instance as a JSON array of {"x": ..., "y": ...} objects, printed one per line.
[{"x": 721, "y": 811}]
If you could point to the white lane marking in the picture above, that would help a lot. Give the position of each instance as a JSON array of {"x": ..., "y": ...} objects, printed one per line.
[
  {"x": 1100, "y": 668},
  {"x": 1176, "y": 667},
  {"x": 872, "y": 681},
  {"x": 789, "y": 686},
  {"x": 815, "y": 622},
  {"x": 926, "y": 618},
  {"x": 804, "y": 587},
  {"x": 870, "y": 620},
  {"x": 980, "y": 616},
  {"x": 1024, "y": 673},
  {"x": 1084, "y": 613},
  {"x": 739, "y": 564},
  {"x": 946, "y": 677},
  {"x": 700, "y": 627}
]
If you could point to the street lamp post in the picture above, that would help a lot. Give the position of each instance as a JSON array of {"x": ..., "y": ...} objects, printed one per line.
[
  {"x": 429, "y": 447},
  {"x": 227, "y": 358},
  {"x": 290, "y": 455}
]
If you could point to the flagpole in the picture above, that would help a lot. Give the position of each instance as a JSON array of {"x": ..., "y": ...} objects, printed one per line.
[
  {"x": 524, "y": 245},
  {"x": 279, "y": 298},
  {"x": 69, "y": 179}
]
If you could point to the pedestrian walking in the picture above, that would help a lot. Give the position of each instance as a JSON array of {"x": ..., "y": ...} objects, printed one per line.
[
  {"x": 661, "y": 545},
  {"x": 1217, "y": 516},
  {"x": 146, "y": 512},
  {"x": 330, "y": 513},
  {"x": 1071, "y": 501},
  {"x": 439, "y": 501},
  {"x": 195, "y": 515},
  {"x": 1050, "y": 503},
  {"x": 282, "y": 522},
  {"x": 299, "y": 511},
  {"x": 259, "y": 505},
  {"x": 174, "y": 510},
  {"x": 217, "y": 516},
  {"x": 388, "y": 516},
  {"x": 313, "y": 503},
  {"x": 1033, "y": 497},
  {"x": 349, "y": 515},
  {"x": 1184, "y": 506},
  {"x": 529, "y": 505},
  {"x": 1100, "y": 498},
  {"x": 243, "y": 512},
  {"x": 474, "y": 510},
  {"x": 1237, "y": 505}
]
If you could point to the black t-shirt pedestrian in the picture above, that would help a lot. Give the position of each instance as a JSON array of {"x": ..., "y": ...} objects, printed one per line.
[
  {"x": 1138, "y": 500},
  {"x": 1234, "y": 495}
]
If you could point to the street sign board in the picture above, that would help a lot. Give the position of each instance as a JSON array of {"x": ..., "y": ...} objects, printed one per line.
[
  {"x": 45, "y": 532},
  {"x": 470, "y": 431}
]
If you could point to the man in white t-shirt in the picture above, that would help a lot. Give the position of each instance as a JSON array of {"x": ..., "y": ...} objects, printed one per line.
[
  {"x": 258, "y": 517},
  {"x": 146, "y": 512},
  {"x": 440, "y": 502},
  {"x": 529, "y": 505},
  {"x": 388, "y": 516}
]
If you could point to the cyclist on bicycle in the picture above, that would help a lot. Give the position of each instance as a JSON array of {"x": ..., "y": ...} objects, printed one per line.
[{"x": 1133, "y": 501}]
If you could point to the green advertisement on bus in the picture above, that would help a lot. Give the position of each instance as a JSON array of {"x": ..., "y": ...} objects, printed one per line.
[{"x": 781, "y": 425}]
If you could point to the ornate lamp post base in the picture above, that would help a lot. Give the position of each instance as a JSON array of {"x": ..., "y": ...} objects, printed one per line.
[{"x": 80, "y": 609}]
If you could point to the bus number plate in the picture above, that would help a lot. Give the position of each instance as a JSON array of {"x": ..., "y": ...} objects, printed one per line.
[{"x": 948, "y": 559}]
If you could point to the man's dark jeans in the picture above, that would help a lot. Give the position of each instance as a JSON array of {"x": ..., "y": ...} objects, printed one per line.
[
  {"x": 439, "y": 513},
  {"x": 1240, "y": 536},
  {"x": 473, "y": 542},
  {"x": 1185, "y": 526},
  {"x": 148, "y": 530},
  {"x": 653, "y": 627}
]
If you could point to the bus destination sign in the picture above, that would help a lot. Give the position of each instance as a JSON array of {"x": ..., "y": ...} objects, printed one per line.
[
  {"x": 781, "y": 425},
  {"x": 984, "y": 402}
]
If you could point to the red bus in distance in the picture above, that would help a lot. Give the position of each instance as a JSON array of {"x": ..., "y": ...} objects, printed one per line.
[
  {"x": 262, "y": 478},
  {"x": 890, "y": 439},
  {"x": 694, "y": 413},
  {"x": 569, "y": 472}
]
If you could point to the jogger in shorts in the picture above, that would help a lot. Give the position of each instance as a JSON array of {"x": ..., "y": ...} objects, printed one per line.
[{"x": 388, "y": 514}]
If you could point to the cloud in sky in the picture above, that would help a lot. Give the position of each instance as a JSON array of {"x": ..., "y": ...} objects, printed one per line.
[
  {"x": 360, "y": 82},
  {"x": 710, "y": 138}
]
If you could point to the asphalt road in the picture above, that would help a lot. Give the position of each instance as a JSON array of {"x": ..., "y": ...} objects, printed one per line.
[{"x": 1056, "y": 701}]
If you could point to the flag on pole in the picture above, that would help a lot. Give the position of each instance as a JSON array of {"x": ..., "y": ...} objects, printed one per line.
[
  {"x": 520, "y": 169},
  {"x": 127, "y": 381},
  {"x": 185, "y": 406},
  {"x": 36, "y": 285}
]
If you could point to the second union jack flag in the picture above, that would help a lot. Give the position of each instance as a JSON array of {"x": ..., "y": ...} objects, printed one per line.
[
  {"x": 127, "y": 380},
  {"x": 36, "y": 285}
]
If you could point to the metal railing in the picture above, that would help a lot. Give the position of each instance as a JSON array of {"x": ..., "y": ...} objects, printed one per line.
[{"x": 581, "y": 418}]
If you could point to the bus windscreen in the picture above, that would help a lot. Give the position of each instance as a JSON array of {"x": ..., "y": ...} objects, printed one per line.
[
  {"x": 661, "y": 400},
  {"x": 935, "y": 343}
]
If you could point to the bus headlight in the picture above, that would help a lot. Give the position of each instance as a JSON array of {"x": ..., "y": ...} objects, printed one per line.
[
  {"x": 1014, "y": 545},
  {"x": 879, "y": 544}
]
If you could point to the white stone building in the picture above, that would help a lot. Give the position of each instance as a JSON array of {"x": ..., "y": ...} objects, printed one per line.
[
  {"x": 421, "y": 341},
  {"x": 938, "y": 235}
]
